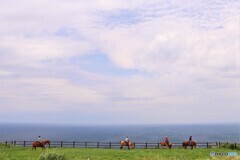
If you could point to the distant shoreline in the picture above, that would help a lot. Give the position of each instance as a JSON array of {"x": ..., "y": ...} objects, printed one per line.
[{"x": 147, "y": 133}]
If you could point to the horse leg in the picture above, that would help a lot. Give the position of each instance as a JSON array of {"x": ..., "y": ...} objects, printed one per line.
[
  {"x": 43, "y": 147},
  {"x": 33, "y": 147},
  {"x": 128, "y": 146}
]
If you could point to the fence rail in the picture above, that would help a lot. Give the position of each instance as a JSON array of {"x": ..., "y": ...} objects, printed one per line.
[{"x": 115, "y": 145}]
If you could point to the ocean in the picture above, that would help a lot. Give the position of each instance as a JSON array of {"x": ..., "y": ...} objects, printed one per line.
[{"x": 111, "y": 133}]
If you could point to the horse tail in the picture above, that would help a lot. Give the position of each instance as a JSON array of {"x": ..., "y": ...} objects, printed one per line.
[
  {"x": 195, "y": 144},
  {"x": 121, "y": 146},
  {"x": 183, "y": 144}
]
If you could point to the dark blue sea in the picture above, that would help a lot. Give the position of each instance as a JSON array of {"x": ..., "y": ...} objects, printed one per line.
[{"x": 107, "y": 133}]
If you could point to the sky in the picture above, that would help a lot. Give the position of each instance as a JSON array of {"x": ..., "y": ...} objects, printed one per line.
[{"x": 119, "y": 61}]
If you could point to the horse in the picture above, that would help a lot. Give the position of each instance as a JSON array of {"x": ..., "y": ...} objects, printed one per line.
[
  {"x": 38, "y": 144},
  {"x": 130, "y": 144},
  {"x": 187, "y": 143},
  {"x": 169, "y": 145}
]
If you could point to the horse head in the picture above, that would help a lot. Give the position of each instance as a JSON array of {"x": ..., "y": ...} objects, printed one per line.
[
  {"x": 46, "y": 142},
  {"x": 133, "y": 145}
]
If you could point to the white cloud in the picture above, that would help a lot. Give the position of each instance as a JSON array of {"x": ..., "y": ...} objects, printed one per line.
[
  {"x": 5, "y": 73},
  {"x": 45, "y": 88},
  {"x": 38, "y": 49}
]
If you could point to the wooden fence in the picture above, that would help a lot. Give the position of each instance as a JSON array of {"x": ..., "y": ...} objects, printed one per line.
[{"x": 115, "y": 145}]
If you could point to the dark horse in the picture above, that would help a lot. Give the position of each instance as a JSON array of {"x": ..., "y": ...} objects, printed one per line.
[
  {"x": 169, "y": 145},
  {"x": 130, "y": 144},
  {"x": 187, "y": 143},
  {"x": 38, "y": 144}
]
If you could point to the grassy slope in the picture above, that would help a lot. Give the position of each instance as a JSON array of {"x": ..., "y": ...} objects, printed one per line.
[{"x": 20, "y": 153}]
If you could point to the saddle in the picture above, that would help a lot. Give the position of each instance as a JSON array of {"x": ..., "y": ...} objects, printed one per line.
[
  {"x": 127, "y": 143},
  {"x": 190, "y": 143},
  {"x": 40, "y": 143}
]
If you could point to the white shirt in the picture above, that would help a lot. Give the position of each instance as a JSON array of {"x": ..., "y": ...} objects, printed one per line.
[{"x": 126, "y": 139}]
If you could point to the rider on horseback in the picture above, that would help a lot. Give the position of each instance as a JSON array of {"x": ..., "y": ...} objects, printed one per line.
[
  {"x": 127, "y": 141},
  {"x": 166, "y": 140},
  {"x": 39, "y": 139},
  {"x": 190, "y": 140}
]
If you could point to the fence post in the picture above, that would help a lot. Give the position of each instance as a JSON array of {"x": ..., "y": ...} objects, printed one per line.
[
  {"x": 61, "y": 144},
  {"x": 85, "y": 144},
  {"x": 235, "y": 146},
  {"x": 207, "y": 144},
  {"x": 219, "y": 144},
  {"x": 73, "y": 144},
  {"x": 158, "y": 145},
  {"x": 110, "y": 145},
  {"x": 24, "y": 143},
  {"x": 6, "y": 143},
  {"x": 14, "y": 143},
  {"x": 97, "y": 144},
  {"x": 146, "y": 145}
]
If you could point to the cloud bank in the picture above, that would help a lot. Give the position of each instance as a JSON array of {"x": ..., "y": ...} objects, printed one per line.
[{"x": 89, "y": 62}]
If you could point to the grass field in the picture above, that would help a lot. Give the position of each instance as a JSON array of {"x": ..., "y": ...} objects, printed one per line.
[{"x": 25, "y": 153}]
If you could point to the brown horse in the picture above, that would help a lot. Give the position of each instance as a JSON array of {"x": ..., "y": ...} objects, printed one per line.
[
  {"x": 130, "y": 144},
  {"x": 38, "y": 144},
  {"x": 187, "y": 143},
  {"x": 169, "y": 145}
]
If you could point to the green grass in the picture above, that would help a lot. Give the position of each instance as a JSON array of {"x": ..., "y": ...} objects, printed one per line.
[{"x": 26, "y": 153}]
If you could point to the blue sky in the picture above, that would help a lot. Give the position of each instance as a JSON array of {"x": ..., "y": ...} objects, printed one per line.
[{"x": 119, "y": 62}]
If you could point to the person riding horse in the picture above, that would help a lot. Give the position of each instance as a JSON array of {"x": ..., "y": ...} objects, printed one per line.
[
  {"x": 127, "y": 141},
  {"x": 166, "y": 140},
  {"x": 190, "y": 140},
  {"x": 40, "y": 144},
  {"x": 39, "y": 139}
]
